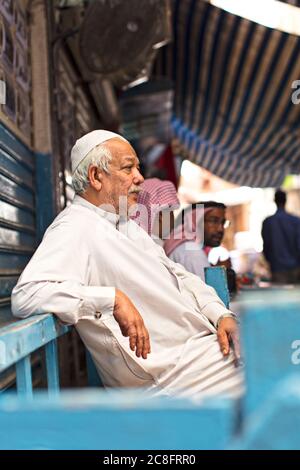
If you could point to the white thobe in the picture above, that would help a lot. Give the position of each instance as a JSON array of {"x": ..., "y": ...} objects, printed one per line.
[{"x": 85, "y": 254}]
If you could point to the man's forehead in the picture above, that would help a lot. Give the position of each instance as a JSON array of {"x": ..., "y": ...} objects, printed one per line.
[
  {"x": 130, "y": 158},
  {"x": 217, "y": 211},
  {"x": 126, "y": 157},
  {"x": 121, "y": 151}
]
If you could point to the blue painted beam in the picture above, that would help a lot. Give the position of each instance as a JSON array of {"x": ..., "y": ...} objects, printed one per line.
[
  {"x": 25, "y": 336},
  {"x": 95, "y": 419}
]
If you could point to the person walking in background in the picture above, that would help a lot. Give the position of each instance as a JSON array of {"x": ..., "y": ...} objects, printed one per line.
[{"x": 281, "y": 238}]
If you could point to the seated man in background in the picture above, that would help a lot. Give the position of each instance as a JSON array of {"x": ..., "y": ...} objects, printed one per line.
[
  {"x": 199, "y": 228},
  {"x": 98, "y": 270}
]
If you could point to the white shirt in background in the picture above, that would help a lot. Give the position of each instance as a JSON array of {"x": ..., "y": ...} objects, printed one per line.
[{"x": 192, "y": 257}]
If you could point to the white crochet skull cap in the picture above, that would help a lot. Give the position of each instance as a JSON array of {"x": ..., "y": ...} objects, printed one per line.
[{"x": 87, "y": 142}]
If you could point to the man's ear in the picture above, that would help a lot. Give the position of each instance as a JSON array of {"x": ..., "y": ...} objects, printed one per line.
[{"x": 95, "y": 177}]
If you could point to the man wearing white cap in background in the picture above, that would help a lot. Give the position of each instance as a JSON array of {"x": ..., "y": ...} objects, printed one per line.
[{"x": 98, "y": 270}]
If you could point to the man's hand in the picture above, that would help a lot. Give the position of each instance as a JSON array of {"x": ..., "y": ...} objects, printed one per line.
[
  {"x": 131, "y": 324},
  {"x": 228, "y": 332},
  {"x": 226, "y": 263}
]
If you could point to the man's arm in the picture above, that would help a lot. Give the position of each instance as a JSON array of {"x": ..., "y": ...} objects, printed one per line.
[
  {"x": 70, "y": 301},
  {"x": 212, "y": 307},
  {"x": 265, "y": 237},
  {"x": 298, "y": 239},
  {"x": 206, "y": 297},
  {"x": 54, "y": 281}
]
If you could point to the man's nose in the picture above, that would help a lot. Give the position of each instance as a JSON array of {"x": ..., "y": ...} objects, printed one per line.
[{"x": 138, "y": 177}]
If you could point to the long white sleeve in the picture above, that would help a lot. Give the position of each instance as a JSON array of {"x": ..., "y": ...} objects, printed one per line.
[
  {"x": 55, "y": 280},
  {"x": 206, "y": 297}
]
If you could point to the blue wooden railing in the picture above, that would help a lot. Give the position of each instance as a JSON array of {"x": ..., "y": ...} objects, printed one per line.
[{"x": 20, "y": 338}]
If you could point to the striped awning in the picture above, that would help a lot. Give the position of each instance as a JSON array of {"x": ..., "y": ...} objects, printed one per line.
[
  {"x": 295, "y": 3},
  {"x": 233, "y": 109}
]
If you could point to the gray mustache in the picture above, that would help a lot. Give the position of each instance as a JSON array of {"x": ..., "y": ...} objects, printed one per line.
[{"x": 134, "y": 190}]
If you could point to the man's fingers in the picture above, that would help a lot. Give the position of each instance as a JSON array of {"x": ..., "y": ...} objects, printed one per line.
[
  {"x": 236, "y": 345},
  {"x": 139, "y": 342},
  {"x": 223, "y": 342},
  {"x": 132, "y": 342},
  {"x": 143, "y": 343},
  {"x": 147, "y": 348},
  {"x": 131, "y": 324},
  {"x": 132, "y": 333}
]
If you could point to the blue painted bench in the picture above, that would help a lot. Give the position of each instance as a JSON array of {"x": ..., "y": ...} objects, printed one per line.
[
  {"x": 267, "y": 416},
  {"x": 20, "y": 338}
]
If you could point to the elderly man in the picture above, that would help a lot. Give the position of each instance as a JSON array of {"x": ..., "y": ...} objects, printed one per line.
[{"x": 98, "y": 270}]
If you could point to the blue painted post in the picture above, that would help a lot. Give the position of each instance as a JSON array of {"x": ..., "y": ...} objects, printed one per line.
[
  {"x": 93, "y": 376},
  {"x": 45, "y": 196},
  {"x": 216, "y": 278},
  {"x": 270, "y": 338},
  {"x": 275, "y": 425},
  {"x": 52, "y": 367},
  {"x": 24, "y": 378}
]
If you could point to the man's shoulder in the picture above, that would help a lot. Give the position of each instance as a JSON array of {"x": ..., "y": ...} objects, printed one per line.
[
  {"x": 190, "y": 249},
  {"x": 187, "y": 245},
  {"x": 288, "y": 218},
  {"x": 281, "y": 216},
  {"x": 293, "y": 218},
  {"x": 269, "y": 219},
  {"x": 72, "y": 216}
]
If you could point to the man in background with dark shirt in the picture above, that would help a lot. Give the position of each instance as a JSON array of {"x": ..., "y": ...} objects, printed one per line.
[{"x": 281, "y": 237}]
